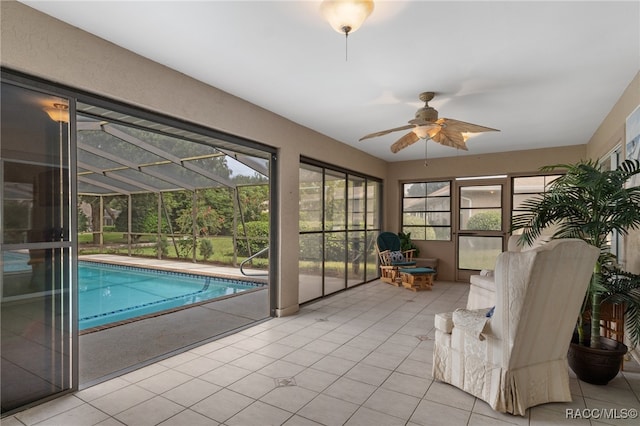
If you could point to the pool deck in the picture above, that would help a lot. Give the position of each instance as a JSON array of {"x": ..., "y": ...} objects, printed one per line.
[{"x": 176, "y": 266}]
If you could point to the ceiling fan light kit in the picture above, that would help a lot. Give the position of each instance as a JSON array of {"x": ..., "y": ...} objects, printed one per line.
[
  {"x": 58, "y": 112},
  {"x": 426, "y": 125},
  {"x": 346, "y": 16},
  {"x": 426, "y": 132}
]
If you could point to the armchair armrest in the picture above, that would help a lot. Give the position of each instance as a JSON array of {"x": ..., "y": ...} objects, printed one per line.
[
  {"x": 385, "y": 257},
  {"x": 472, "y": 321},
  {"x": 409, "y": 254},
  {"x": 487, "y": 282},
  {"x": 444, "y": 322}
]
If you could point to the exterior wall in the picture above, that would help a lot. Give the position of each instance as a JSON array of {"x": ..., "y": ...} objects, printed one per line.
[
  {"x": 515, "y": 162},
  {"x": 39, "y": 45},
  {"x": 611, "y": 133}
]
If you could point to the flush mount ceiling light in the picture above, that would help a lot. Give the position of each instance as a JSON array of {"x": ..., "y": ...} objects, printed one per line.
[
  {"x": 58, "y": 113},
  {"x": 346, "y": 16}
]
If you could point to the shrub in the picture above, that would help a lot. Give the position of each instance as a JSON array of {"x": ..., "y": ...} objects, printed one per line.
[
  {"x": 162, "y": 247},
  {"x": 485, "y": 221},
  {"x": 185, "y": 247},
  {"x": 258, "y": 234},
  {"x": 206, "y": 248}
]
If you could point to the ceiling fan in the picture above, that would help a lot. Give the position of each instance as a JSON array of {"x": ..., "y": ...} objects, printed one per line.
[{"x": 427, "y": 125}]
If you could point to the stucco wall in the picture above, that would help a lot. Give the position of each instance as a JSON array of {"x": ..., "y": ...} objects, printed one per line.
[{"x": 42, "y": 46}]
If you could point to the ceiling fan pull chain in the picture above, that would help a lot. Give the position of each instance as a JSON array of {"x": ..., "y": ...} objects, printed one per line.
[
  {"x": 346, "y": 46},
  {"x": 426, "y": 143}
]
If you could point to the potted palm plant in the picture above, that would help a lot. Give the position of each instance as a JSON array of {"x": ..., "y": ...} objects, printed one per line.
[
  {"x": 590, "y": 203},
  {"x": 407, "y": 244}
]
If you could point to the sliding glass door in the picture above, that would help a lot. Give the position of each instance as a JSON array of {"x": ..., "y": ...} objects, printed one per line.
[
  {"x": 36, "y": 247},
  {"x": 339, "y": 221}
]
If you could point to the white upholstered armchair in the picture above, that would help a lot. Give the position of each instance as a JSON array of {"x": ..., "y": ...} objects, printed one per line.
[{"x": 517, "y": 358}]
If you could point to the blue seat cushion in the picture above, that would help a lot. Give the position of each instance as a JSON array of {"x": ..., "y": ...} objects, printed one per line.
[
  {"x": 418, "y": 271},
  {"x": 403, "y": 264}
]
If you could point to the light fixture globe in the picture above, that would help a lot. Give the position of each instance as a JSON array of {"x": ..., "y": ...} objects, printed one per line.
[
  {"x": 346, "y": 16},
  {"x": 58, "y": 112},
  {"x": 427, "y": 131}
]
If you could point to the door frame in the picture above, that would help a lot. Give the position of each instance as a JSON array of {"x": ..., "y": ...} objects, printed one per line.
[{"x": 503, "y": 182}]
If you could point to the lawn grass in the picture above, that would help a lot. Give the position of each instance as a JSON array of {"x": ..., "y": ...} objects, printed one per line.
[{"x": 115, "y": 243}]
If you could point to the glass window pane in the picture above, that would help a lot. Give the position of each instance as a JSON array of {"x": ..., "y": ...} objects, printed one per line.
[
  {"x": 439, "y": 189},
  {"x": 36, "y": 203},
  {"x": 518, "y": 199},
  {"x": 414, "y": 204},
  {"x": 373, "y": 200},
  {"x": 372, "y": 270},
  {"x": 356, "y": 203},
  {"x": 311, "y": 190},
  {"x": 532, "y": 184},
  {"x": 310, "y": 264},
  {"x": 413, "y": 219},
  {"x": 415, "y": 189},
  {"x": 334, "y": 201},
  {"x": 481, "y": 219},
  {"x": 439, "y": 204},
  {"x": 528, "y": 185},
  {"x": 355, "y": 261},
  {"x": 478, "y": 252},
  {"x": 481, "y": 196},
  {"x": 442, "y": 219},
  {"x": 429, "y": 233},
  {"x": 442, "y": 233},
  {"x": 334, "y": 262}
]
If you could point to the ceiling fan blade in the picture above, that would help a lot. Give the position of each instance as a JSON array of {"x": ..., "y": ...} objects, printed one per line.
[
  {"x": 454, "y": 139},
  {"x": 384, "y": 132},
  {"x": 408, "y": 139},
  {"x": 463, "y": 127}
]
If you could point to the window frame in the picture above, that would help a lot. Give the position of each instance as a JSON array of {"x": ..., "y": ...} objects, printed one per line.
[{"x": 411, "y": 228}]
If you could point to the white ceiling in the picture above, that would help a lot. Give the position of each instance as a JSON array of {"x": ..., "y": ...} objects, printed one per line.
[{"x": 544, "y": 72}]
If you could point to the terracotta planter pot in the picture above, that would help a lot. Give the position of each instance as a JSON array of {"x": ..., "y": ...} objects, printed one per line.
[{"x": 596, "y": 365}]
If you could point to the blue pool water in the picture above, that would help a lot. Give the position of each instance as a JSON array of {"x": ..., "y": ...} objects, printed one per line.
[{"x": 111, "y": 293}]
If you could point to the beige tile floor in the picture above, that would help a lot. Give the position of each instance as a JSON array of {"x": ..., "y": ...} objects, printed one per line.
[{"x": 360, "y": 357}]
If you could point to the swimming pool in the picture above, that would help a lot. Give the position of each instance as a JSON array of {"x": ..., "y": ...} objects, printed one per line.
[{"x": 112, "y": 293}]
